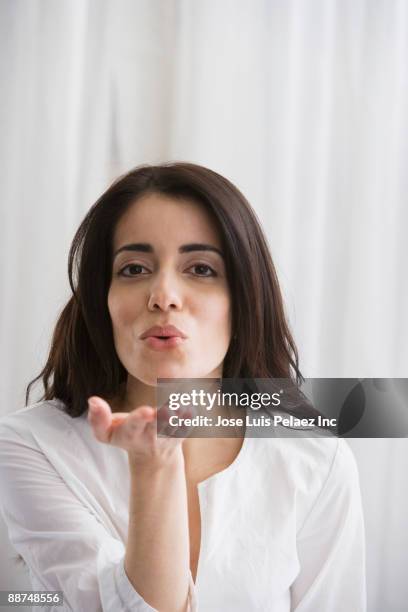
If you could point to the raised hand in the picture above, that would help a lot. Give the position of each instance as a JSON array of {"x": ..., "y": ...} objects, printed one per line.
[{"x": 135, "y": 432}]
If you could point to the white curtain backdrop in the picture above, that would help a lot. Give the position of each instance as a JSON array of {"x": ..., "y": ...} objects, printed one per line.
[{"x": 301, "y": 103}]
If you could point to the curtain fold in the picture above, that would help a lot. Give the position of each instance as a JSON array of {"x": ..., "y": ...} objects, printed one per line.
[{"x": 301, "y": 104}]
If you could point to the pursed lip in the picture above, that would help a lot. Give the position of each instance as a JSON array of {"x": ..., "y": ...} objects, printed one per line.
[{"x": 166, "y": 331}]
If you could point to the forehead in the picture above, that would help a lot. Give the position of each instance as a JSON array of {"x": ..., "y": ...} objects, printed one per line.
[{"x": 157, "y": 219}]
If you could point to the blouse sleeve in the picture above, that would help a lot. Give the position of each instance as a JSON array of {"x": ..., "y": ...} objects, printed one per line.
[
  {"x": 64, "y": 544},
  {"x": 331, "y": 544}
]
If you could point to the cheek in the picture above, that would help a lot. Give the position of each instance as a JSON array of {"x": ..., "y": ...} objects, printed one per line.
[
  {"x": 122, "y": 308},
  {"x": 114, "y": 307},
  {"x": 215, "y": 316}
]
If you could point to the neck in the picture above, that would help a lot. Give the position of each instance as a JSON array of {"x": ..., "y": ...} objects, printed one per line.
[{"x": 134, "y": 394}]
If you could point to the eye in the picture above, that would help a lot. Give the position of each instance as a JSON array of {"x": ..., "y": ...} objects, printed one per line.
[
  {"x": 134, "y": 270},
  {"x": 203, "y": 270}
]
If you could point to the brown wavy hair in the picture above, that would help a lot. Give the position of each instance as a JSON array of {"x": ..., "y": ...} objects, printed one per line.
[{"x": 83, "y": 361}]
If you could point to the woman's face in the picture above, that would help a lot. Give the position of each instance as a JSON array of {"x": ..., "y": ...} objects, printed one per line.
[{"x": 168, "y": 269}]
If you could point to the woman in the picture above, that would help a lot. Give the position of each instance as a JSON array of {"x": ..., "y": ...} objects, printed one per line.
[{"x": 118, "y": 518}]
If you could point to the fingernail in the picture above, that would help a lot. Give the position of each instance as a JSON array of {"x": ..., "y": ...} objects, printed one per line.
[{"x": 93, "y": 406}]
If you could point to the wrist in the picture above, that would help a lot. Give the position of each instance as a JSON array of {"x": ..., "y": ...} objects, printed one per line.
[{"x": 169, "y": 462}]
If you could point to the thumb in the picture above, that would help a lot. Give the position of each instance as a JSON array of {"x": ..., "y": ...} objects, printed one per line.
[{"x": 100, "y": 418}]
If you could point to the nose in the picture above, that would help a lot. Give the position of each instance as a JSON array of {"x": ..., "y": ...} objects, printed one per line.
[{"x": 164, "y": 294}]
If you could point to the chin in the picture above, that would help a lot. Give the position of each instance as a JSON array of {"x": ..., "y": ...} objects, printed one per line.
[
  {"x": 150, "y": 378},
  {"x": 174, "y": 373}
]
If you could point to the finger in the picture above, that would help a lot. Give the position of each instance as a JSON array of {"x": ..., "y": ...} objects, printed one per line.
[
  {"x": 179, "y": 430},
  {"x": 163, "y": 417},
  {"x": 120, "y": 427},
  {"x": 150, "y": 431},
  {"x": 132, "y": 427},
  {"x": 147, "y": 413},
  {"x": 100, "y": 418},
  {"x": 138, "y": 418},
  {"x": 184, "y": 430},
  {"x": 98, "y": 404}
]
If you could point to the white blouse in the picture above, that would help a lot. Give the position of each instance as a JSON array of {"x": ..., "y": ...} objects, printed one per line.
[{"x": 282, "y": 526}]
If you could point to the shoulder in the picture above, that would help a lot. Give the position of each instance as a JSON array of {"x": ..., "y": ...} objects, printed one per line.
[
  {"x": 43, "y": 437},
  {"x": 47, "y": 419},
  {"x": 303, "y": 457},
  {"x": 308, "y": 469},
  {"x": 321, "y": 459},
  {"x": 323, "y": 453}
]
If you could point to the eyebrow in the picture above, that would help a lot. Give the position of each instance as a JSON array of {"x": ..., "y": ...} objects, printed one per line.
[{"x": 143, "y": 247}]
